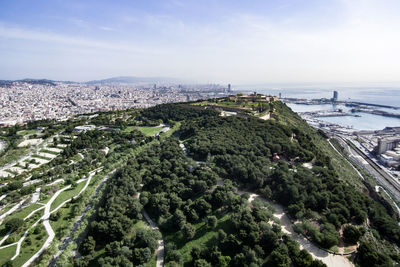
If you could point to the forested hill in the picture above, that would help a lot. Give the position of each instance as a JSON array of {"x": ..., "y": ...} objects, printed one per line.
[{"x": 196, "y": 183}]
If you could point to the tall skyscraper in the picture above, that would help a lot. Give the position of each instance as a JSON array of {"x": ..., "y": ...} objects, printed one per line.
[
  {"x": 335, "y": 96},
  {"x": 229, "y": 88}
]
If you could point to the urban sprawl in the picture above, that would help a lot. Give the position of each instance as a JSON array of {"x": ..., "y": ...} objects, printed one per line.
[{"x": 21, "y": 102}]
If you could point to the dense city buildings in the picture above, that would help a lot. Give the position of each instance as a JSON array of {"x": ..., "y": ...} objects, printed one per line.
[{"x": 23, "y": 101}]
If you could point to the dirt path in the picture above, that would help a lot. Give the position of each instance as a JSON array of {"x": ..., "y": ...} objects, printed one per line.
[{"x": 160, "y": 250}]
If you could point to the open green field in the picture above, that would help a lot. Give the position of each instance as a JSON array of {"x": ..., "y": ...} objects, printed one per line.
[
  {"x": 16, "y": 235},
  {"x": 171, "y": 131},
  {"x": 63, "y": 221},
  {"x": 205, "y": 237},
  {"x": 25, "y": 211},
  {"x": 41, "y": 157},
  {"x": 28, "y": 132},
  {"x": 6, "y": 254},
  {"x": 67, "y": 194},
  {"x": 27, "y": 250},
  {"x": 6, "y": 208},
  {"x": 11, "y": 172},
  {"x": 48, "y": 152},
  {"x": 147, "y": 131}
]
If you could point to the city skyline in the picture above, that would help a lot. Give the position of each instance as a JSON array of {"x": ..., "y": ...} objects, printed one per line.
[{"x": 277, "y": 42}]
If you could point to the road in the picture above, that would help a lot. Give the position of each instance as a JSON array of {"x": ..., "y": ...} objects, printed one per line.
[{"x": 363, "y": 161}]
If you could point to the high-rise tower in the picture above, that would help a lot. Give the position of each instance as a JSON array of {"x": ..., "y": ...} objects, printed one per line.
[{"x": 335, "y": 96}]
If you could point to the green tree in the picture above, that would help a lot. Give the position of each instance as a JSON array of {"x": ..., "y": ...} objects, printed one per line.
[
  {"x": 212, "y": 221},
  {"x": 189, "y": 231},
  {"x": 351, "y": 234},
  {"x": 14, "y": 224}
]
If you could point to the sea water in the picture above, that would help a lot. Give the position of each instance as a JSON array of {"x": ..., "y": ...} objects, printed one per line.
[{"x": 380, "y": 96}]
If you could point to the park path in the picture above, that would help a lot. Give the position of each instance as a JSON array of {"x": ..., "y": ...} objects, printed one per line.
[
  {"x": 47, "y": 226},
  {"x": 287, "y": 227},
  {"x": 317, "y": 253},
  {"x": 46, "y": 222},
  {"x": 161, "y": 248},
  {"x": 17, "y": 206},
  {"x": 8, "y": 234},
  {"x": 66, "y": 241}
]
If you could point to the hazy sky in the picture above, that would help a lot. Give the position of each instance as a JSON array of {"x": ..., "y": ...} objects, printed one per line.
[{"x": 249, "y": 41}]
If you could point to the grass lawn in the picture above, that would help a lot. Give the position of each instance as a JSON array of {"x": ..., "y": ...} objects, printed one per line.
[
  {"x": 63, "y": 221},
  {"x": 25, "y": 211},
  {"x": 16, "y": 235},
  {"x": 25, "y": 132},
  {"x": 11, "y": 172},
  {"x": 7, "y": 208},
  {"x": 148, "y": 131},
  {"x": 27, "y": 250},
  {"x": 67, "y": 194},
  {"x": 6, "y": 254},
  {"x": 204, "y": 237},
  {"x": 128, "y": 129},
  {"x": 171, "y": 131},
  {"x": 152, "y": 262},
  {"x": 41, "y": 157},
  {"x": 48, "y": 152}
]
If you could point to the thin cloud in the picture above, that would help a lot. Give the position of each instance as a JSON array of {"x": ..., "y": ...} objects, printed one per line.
[{"x": 34, "y": 35}]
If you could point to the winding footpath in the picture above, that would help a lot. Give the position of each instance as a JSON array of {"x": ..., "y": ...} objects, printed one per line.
[
  {"x": 46, "y": 222},
  {"x": 66, "y": 241},
  {"x": 287, "y": 227},
  {"x": 331, "y": 260},
  {"x": 161, "y": 248},
  {"x": 17, "y": 206},
  {"x": 47, "y": 226}
]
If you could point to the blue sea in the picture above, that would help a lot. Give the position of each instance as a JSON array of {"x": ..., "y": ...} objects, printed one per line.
[{"x": 381, "y": 96}]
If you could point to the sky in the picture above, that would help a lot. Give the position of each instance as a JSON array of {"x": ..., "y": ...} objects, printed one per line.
[{"x": 240, "y": 42}]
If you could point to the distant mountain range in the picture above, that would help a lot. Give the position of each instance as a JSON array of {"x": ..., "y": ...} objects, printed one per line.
[
  {"x": 31, "y": 81},
  {"x": 114, "y": 80}
]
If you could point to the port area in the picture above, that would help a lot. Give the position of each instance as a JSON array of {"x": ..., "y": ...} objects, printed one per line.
[
  {"x": 353, "y": 107},
  {"x": 375, "y": 152}
]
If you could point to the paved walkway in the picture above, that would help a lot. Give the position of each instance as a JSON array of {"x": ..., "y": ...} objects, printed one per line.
[
  {"x": 66, "y": 241},
  {"x": 287, "y": 228},
  {"x": 17, "y": 206},
  {"x": 46, "y": 222},
  {"x": 48, "y": 228}
]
